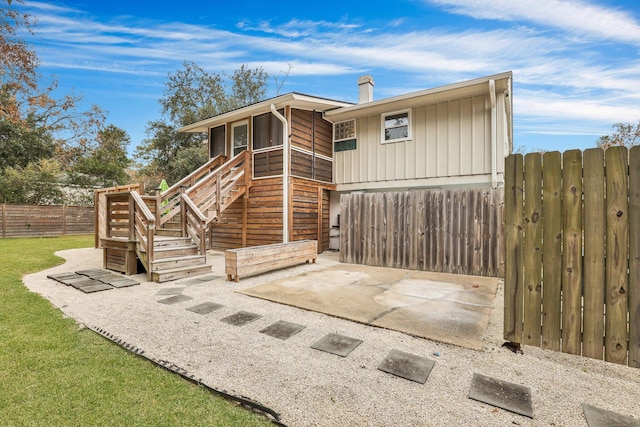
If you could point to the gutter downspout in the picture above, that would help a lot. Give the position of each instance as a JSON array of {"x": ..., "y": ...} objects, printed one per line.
[
  {"x": 494, "y": 135},
  {"x": 285, "y": 173}
]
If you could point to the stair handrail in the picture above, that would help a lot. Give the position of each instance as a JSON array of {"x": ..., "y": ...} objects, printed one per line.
[
  {"x": 194, "y": 225},
  {"x": 168, "y": 200},
  {"x": 142, "y": 224},
  {"x": 211, "y": 190}
]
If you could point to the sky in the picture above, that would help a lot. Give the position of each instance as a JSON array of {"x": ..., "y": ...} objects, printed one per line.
[{"x": 575, "y": 63}]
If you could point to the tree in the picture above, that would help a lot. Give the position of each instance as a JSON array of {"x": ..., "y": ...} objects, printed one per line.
[
  {"x": 105, "y": 164},
  {"x": 24, "y": 142},
  {"x": 626, "y": 134},
  {"x": 35, "y": 183},
  {"x": 18, "y": 62},
  {"x": 192, "y": 94}
]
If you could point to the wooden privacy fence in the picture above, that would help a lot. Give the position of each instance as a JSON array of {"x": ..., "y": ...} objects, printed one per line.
[
  {"x": 450, "y": 231},
  {"x": 41, "y": 221},
  {"x": 572, "y": 264}
]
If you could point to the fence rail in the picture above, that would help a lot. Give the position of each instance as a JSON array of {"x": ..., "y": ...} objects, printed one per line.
[
  {"x": 43, "y": 221},
  {"x": 572, "y": 265},
  {"x": 450, "y": 231}
]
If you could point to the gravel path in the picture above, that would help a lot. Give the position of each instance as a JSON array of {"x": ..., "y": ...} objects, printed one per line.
[{"x": 312, "y": 388}]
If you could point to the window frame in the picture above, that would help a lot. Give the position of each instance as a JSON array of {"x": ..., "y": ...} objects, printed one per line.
[
  {"x": 383, "y": 119},
  {"x": 273, "y": 120},
  {"x": 224, "y": 139},
  {"x": 235, "y": 125}
]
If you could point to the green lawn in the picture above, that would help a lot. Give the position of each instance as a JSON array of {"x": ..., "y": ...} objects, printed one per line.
[{"x": 53, "y": 373}]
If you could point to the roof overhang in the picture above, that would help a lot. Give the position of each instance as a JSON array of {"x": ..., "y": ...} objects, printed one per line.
[
  {"x": 295, "y": 100},
  {"x": 424, "y": 97}
]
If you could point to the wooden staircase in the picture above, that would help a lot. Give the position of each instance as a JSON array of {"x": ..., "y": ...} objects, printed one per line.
[{"x": 169, "y": 229}]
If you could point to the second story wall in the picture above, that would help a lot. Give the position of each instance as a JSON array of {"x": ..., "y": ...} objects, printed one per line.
[{"x": 449, "y": 144}]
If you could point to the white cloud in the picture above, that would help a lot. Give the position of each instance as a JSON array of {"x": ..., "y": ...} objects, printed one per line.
[{"x": 575, "y": 16}]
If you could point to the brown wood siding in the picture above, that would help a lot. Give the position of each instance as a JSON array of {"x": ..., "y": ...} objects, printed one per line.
[
  {"x": 324, "y": 238},
  {"x": 323, "y": 170},
  {"x": 301, "y": 164},
  {"x": 323, "y": 136},
  {"x": 301, "y": 129},
  {"x": 264, "y": 212},
  {"x": 268, "y": 163},
  {"x": 310, "y": 132},
  {"x": 305, "y": 203},
  {"x": 227, "y": 233},
  {"x": 38, "y": 221}
]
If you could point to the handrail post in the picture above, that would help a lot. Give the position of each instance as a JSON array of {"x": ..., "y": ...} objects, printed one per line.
[
  {"x": 183, "y": 212},
  {"x": 158, "y": 204},
  {"x": 132, "y": 217},
  {"x": 218, "y": 195}
]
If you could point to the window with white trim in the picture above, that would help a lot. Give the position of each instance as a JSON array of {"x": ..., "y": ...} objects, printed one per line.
[
  {"x": 396, "y": 126},
  {"x": 344, "y": 136}
]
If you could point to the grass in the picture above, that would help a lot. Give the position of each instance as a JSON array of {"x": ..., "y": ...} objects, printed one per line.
[{"x": 54, "y": 373}]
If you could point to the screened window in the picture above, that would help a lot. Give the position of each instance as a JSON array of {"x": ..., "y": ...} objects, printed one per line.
[
  {"x": 240, "y": 132},
  {"x": 396, "y": 126},
  {"x": 217, "y": 141},
  {"x": 267, "y": 131}
]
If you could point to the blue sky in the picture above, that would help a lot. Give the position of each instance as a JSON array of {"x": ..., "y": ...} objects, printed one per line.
[{"x": 576, "y": 63}]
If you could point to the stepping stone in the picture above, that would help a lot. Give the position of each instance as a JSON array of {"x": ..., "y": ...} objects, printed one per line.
[
  {"x": 93, "y": 272},
  {"x": 175, "y": 299},
  {"x": 336, "y": 344},
  {"x": 170, "y": 291},
  {"x": 62, "y": 276},
  {"x": 241, "y": 318},
  {"x": 597, "y": 417},
  {"x": 205, "y": 307},
  {"x": 407, "y": 366},
  {"x": 88, "y": 289},
  {"x": 508, "y": 396},
  {"x": 118, "y": 282},
  {"x": 282, "y": 330},
  {"x": 85, "y": 282}
]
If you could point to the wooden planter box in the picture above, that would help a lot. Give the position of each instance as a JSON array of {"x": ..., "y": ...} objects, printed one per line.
[{"x": 260, "y": 259}]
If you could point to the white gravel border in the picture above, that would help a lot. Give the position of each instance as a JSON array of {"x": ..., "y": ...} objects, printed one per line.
[{"x": 311, "y": 388}]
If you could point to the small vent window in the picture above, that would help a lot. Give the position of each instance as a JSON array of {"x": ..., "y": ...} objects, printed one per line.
[{"x": 344, "y": 136}]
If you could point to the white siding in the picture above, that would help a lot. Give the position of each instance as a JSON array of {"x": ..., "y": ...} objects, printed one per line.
[{"x": 450, "y": 139}]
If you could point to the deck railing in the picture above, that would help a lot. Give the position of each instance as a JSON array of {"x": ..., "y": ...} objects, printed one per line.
[
  {"x": 168, "y": 201},
  {"x": 219, "y": 189},
  {"x": 142, "y": 224}
]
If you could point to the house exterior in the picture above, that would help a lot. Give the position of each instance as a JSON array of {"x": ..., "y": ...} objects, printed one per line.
[
  {"x": 454, "y": 136},
  {"x": 278, "y": 169}
]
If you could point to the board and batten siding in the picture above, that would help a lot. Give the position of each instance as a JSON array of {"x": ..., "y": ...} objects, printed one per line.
[{"x": 449, "y": 139}]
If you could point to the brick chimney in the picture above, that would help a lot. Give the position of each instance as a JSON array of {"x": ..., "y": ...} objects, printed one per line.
[{"x": 365, "y": 89}]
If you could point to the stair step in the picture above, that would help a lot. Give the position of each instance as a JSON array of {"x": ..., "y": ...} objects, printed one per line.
[
  {"x": 164, "y": 241},
  {"x": 168, "y": 232},
  {"x": 183, "y": 261},
  {"x": 171, "y": 226},
  {"x": 174, "y": 251},
  {"x": 180, "y": 273}
]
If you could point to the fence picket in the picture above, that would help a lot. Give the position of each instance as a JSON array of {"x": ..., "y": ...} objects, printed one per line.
[
  {"x": 552, "y": 250},
  {"x": 572, "y": 252},
  {"x": 513, "y": 275},
  {"x": 594, "y": 244},
  {"x": 616, "y": 159},
  {"x": 532, "y": 249}
]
